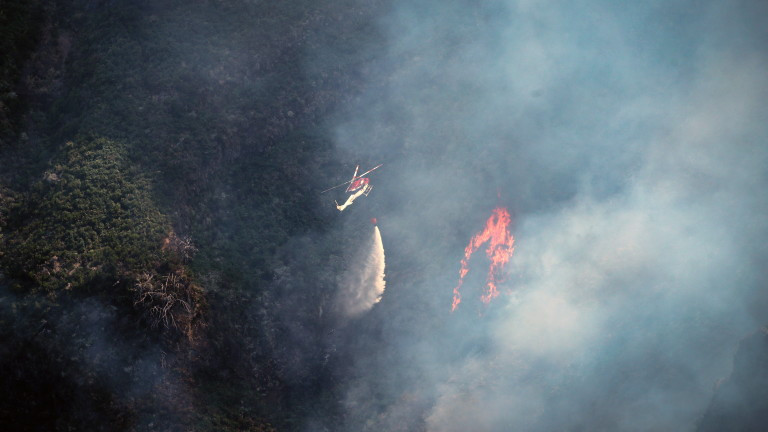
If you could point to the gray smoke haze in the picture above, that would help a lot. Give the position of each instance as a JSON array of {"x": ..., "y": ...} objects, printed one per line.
[{"x": 629, "y": 143}]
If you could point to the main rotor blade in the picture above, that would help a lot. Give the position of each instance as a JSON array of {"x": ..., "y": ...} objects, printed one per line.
[
  {"x": 353, "y": 178},
  {"x": 370, "y": 170},
  {"x": 340, "y": 185}
]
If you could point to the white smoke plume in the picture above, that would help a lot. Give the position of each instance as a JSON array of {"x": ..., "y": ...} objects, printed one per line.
[
  {"x": 630, "y": 146},
  {"x": 363, "y": 285}
]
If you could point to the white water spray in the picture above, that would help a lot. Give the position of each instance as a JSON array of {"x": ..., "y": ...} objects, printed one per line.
[{"x": 364, "y": 284}]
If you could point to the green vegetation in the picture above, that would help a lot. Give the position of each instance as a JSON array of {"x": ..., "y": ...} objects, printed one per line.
[{"x": 88, "y": 218}]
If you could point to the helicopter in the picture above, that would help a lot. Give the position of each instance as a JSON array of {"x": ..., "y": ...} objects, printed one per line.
[{"x": 358, "y": 186}]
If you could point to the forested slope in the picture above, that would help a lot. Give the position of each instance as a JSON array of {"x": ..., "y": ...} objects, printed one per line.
[{"x": 156, "y": 156}]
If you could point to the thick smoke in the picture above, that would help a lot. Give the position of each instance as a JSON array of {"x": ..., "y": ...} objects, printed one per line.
[
  {"x": 629, "y": 143},
  {"x": 363, "y": 284}
]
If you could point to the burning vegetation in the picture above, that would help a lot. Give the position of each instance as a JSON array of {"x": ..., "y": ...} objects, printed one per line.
[{"x": 501, "y": 245}]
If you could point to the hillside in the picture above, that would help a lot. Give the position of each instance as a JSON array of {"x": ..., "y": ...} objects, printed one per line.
[
  {"x": 156, "y": 157},
  {"x": 565, "y": 229}
]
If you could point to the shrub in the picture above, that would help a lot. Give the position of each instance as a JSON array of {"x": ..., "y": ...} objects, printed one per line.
[{"x": 89, "y": 216}]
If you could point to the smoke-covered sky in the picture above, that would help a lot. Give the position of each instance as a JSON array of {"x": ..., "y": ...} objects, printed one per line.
[{"x": 628, "y": 140}]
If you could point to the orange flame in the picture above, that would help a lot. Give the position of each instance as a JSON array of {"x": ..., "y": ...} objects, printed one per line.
[{"x": 500, "y": 248}]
